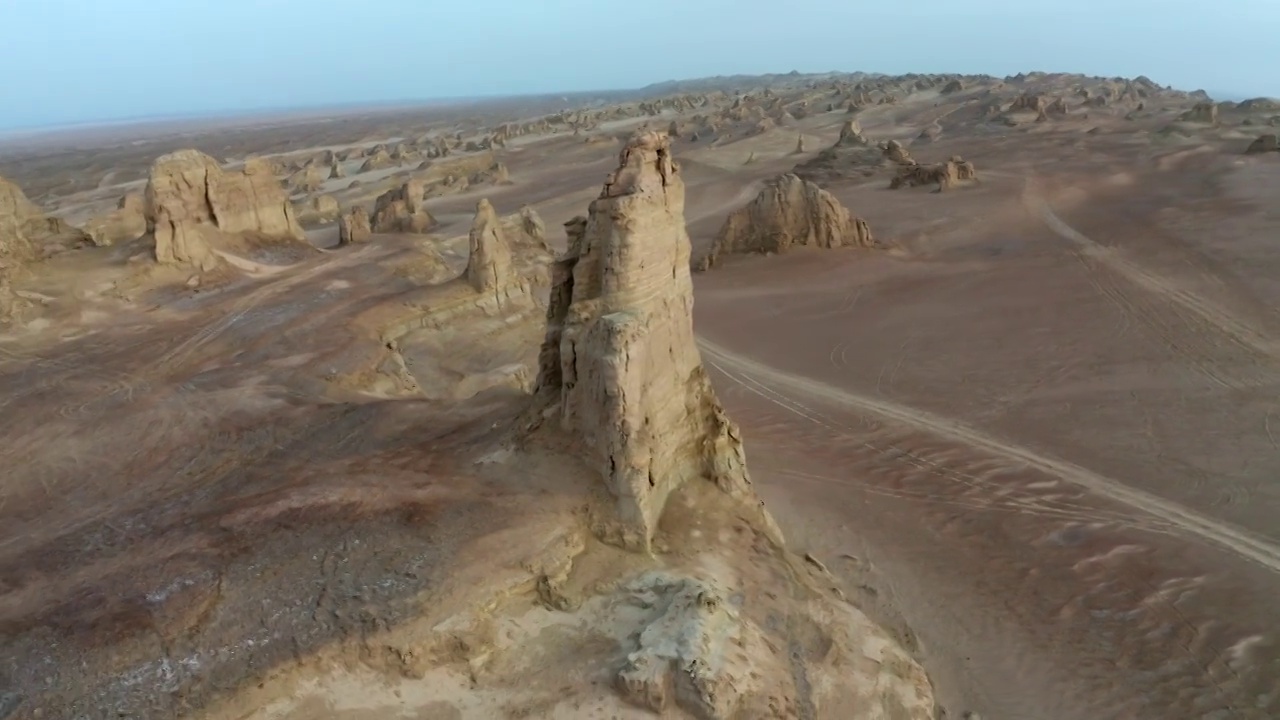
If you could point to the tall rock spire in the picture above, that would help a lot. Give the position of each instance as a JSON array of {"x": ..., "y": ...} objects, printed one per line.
[{"x": 620, "y": 368}]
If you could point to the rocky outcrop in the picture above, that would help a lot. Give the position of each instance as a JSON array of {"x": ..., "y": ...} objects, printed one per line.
[
  {"x": 851, "y": 155},
  {"x": 947, "y": 175},
  {"x": 308, "y": 179},
  {"x": 192, "y": 203},
  {"x": 620, "y": 369},
  {"x": 354, "y": 226},
  {"x": 321, "y": 209},
  {"x": 489, "y": 260},
  {"x": 400, "y": 210},
  {"x": 1028, "y": 103},
  {"x": 894, "y": 152},
  {"x": 380, "y": 159},
  {"x": 1201, "y": 112},
  {"x": 788, "y": 212},
  {"x": 532, "y": 225},
  {"x": 1264, "y": 143},
  {"x": 621, "y": 381},
  {"x": 851, "y": 135},
  {"x": 27, "y": 233},
  {"x": 127, "y": 222}
]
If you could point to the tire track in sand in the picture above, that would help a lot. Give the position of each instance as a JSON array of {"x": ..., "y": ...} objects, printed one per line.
[
  {"x": 1238, "y": 541},
  {"x": 1205, "y": 327}
]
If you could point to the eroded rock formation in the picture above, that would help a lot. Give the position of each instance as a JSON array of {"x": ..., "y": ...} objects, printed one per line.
[
  {"x": 852, "y": 154},
  {"x": 127, "y": 222},
  {"x": 621, "y": 377},
  {"x": 788, "y": 212},
  {"x": 379, "y": 159},
  {"x": 1264, "y": 143},
  {"x": 309, "y": 179},
  {"x": 192, "y": 203},
  {"x": 26, "y": 232},
  {"x": 947, "y": 175},
  {"x": 354, "y": 226},
  {"x": 532, "y": 225},
  {"x": 621, "y": 331},
  {"x": 489, "y": 261},
  {"x": 400, "y": 210},
  {"x": 1201, "y": 112}
]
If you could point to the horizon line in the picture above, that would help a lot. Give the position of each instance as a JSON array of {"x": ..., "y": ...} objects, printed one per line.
[{"x": 9, "y": 133}]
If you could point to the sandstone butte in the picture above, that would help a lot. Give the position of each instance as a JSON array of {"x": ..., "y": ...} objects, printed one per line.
[
  {"x": 788, "y": 212},
  {"x": 621, "y": 380},
  {"x": 192, "y": 204}
]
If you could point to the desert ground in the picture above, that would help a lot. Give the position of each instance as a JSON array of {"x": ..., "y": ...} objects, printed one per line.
[{"x": 1025, "y": 421}]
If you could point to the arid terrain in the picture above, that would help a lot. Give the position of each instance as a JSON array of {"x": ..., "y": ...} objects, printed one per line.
[{"x": 401, "y": 414}]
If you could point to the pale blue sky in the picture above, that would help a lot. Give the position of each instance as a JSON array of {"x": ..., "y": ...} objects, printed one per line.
[{"x": 72, "y": 61}]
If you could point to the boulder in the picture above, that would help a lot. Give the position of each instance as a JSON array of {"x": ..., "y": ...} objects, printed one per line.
[
  {"x": 354, "y": 227},
  {"x": 127, "y": 222},
  {"x": 788, "y": 212},
  {"x": 192, "y": 203}
]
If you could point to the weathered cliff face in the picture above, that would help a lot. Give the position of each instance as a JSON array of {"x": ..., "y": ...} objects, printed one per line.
[
  {"x": 620, "y": 365},
  {"x": 191, "y": 201},
  {"x": 788, "y": 212}
]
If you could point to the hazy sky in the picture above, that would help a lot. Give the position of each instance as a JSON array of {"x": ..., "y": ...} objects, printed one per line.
[{"x": 70, "y": 61}]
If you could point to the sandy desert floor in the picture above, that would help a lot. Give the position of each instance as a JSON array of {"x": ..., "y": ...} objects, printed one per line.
[{"x": 1038, "y": 436}]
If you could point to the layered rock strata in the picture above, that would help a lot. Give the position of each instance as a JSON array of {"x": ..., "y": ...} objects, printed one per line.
[
  {"x": 620, "y": 367},
  {"x": 192, "y": 202}
]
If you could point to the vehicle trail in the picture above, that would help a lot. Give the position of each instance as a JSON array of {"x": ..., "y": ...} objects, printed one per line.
[
  {"x": 1202, "y": 330},
  {"x": 1236, "y": 540}
]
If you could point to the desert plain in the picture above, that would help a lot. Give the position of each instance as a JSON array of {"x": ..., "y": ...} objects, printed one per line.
[{"x": 347, "y": 415}]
